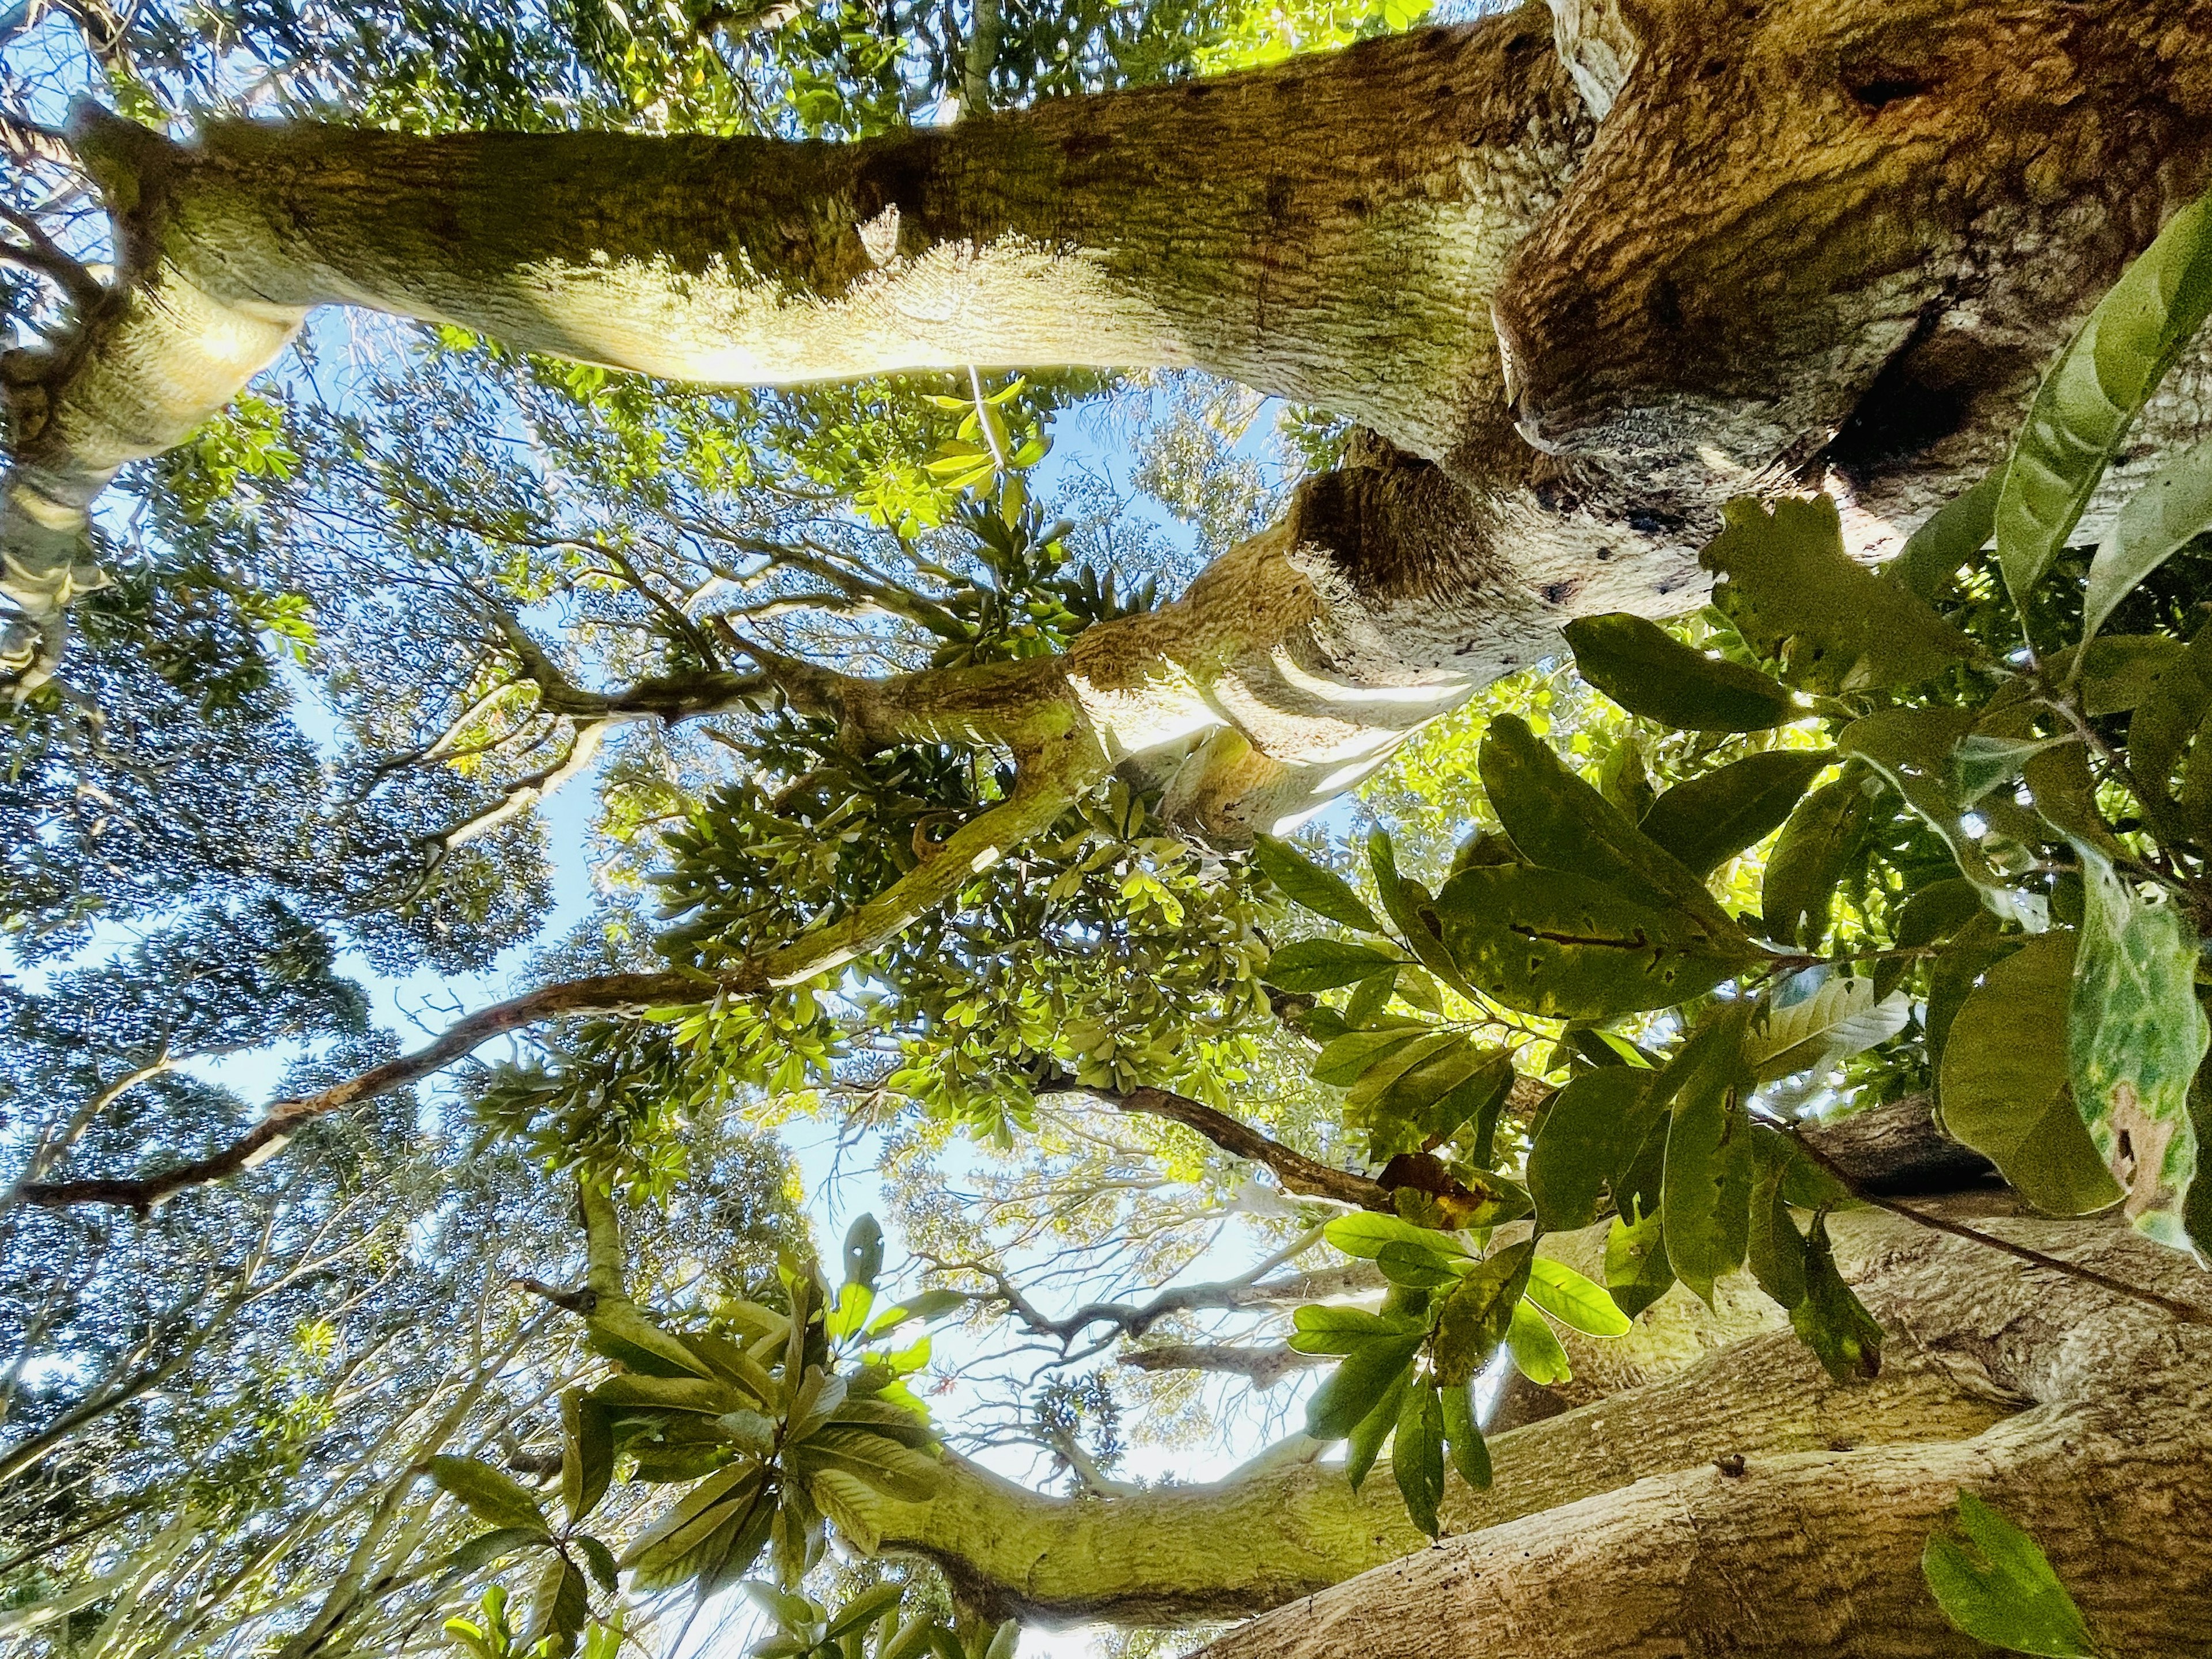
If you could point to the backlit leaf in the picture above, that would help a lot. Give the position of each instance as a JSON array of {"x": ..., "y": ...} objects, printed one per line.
[
  {"x": 2135, "y": 1035},
  {"x": 491, "y": 1494},
  {"x": 1567, "y": 946},
  {"x": 1707, "y": 1188},
  {"x": 1710, "y": 819},
  {"x": 1650, "y": 673},
  {"x": 1797, "y": 596},
  {"x": 2090, "y": 395},
  {"x": 1305, "y": 882},
  {"x": 1594, "y": 1127},
  {"x": 1322, "y": 964},
  {"x": 1995, "y": 1584},
  {"x": 1536, "y": 1351},
  {"x": 1417, "y": 1456},
  {"x": 1573, "y": 1300},
  {"x": 1842, "y": 1018},
  {"x": 2004, "y": 1082}
]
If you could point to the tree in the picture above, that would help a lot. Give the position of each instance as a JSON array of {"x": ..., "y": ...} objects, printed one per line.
[{"x": 974, "y": 885}]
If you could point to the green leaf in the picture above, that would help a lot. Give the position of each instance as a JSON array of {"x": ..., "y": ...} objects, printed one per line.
[
  {"x": 1594, "y": 1127},
  {"x": 927, "y": 1306},
  {"x": 1819, "y": 843},
  {"x": 1710, "y": 819},
  {"x": 1364, "y": 1443},
  {"x": 1572, "y": 1300},
  {"x": 1830, "y": 1319},
  {"x": 1775, "y": 1249},
  {"x": 1471, "y": 1322},
  {"x": 1417, "y": 1456},
  {"x": 1567, "y": 946},
  {"x": 559, "y": 1606},
  {"x": 1322, "y": 964},
  {"x": 1345, "y": 1060},
  {"x": 1797, "y": 597},
  {"x": 1707, "y": 1185},
  {"x": 1995, "y": 1584},
  {"x": 864, "y": 1609},
  {"x": 2135, "y": 1036},
  {"x": 2156, "y": 522},
  {"x": 1953, "y": 533},
  {"x": 1648, "y": 671},
  {"x": 1365, "y": 1234},
  {"x": 1372, "y": 995},
  {"x": 857, "y": 1508},
  {"x": 1535, "y": 1350},
  {"x": 1358, "y": 1385},
  {"x": 1307, "y": 884},
  {"x": 2004, "y": 1084},
  {"x": 599, "y": 1560},
  {"x": 1912, "y": 749},
  {"x": 2090, "y": 395},
  {"x": 1470, "y": 1454},
  {"x": 618, "y": 1330},
  {"x": 1415, "y": 1265},
  {"x": 491, "y": 1494},
  {"x": 1560, "y": 822},
  {"x": 1637, "y": 1273},
  {"x": 864, "y": 1253},
  {"x": 1842, "y": 1018},
  {"x": 1982, "y": 761},
  {"x": 1934, "y": 912},
  {"x": 1407, "y": 901},
  {"x": 849, "y": 1312},
  {"x": 486, "y": 1547},
  {"x": 587, "y": 1464}
]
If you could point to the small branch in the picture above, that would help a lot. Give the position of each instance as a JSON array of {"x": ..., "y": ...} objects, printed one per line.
[
  {"x": 1297, "y": 1173},
  {"x": 604, "y": 993},
  {"x": 2187, "y": 1312},
  {"x": 41, "y": 252},
  {"x": 24, "y": 141}
]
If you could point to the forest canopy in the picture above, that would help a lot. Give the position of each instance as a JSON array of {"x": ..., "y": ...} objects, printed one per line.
[{"x": 667, "y": 993}]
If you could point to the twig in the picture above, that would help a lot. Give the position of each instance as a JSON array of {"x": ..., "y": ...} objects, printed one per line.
[
  {"x": 1297, "y": 1172},
  {"x": 2187, "y": 1312}
]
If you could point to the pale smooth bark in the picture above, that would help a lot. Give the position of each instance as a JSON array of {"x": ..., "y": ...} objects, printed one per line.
[{"x": 2014, "y": 1382}]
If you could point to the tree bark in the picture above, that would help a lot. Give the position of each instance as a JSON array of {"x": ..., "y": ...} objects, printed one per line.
[
  {"x": 1807, "y": 243},
  {"x": 2079, "y": 1413}
]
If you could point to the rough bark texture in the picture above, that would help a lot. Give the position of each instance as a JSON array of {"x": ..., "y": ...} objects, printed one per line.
[
  {"x": 2078, "y": 1412},
  {"x": 1810, "y": 241},
  {"x": 2081, "y": 1415}
]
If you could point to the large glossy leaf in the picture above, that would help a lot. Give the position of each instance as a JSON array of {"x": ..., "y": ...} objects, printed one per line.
[
  {"x": 491, "y": 1494},
  {"x": 1303, "y": 882},
  {"x": 1365, "y": 1234},
  {"x": 1774, "y": 1248},
  {"x": 1358, "y": 1385},
  {"x": 1831, "y": 1319},
  {"x": 1841, "y": 1017},
  {"x": 587, "y": 1462},
  {"x": 1470, "y": 1455},
  {"x": 560, "y": 1603},
  {"x": 1417, "y": 1456},
  {"x": 1536, "y": 1351},
  {"x": 2090, "y": 395},
  {"x": 1708, "y": 819},
  {"x": 1818, "y": 844},
  {"x": 1405, "y": 901},
  {"x": 2135, "y": 1036},
  {"x": 1648, "y": 671},
  {"x": 1560, "y": 822},
  {"x": 619, "y": 1331},
  {"x": 1637, "y": 1273},
  {"x": 1325, "y": 1328},
  {"x": 1594, "y": 1127},
  {"x": 1994, "y": 1583},
  {"x": 2004, "y": 1081},
  {"x": 1797, "y": 596},
  {"x": 1322, "y": 964},
  {"x": 1365, "y": 1440},
  {"x": 2156, "y": 522},
  {"x": 1953, "y": 533},
  {"x": 1472, "y": 1321},
  {"x": 1572, "y": 1300},
  {"x": 1567, "y": 946},
  {"x": 1706, "y": 1195}
]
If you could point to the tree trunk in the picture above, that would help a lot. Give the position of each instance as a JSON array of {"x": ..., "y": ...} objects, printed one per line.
[
  {"x": 1624, "y": 1526},
  {"x": 1807, "y": 243}
]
